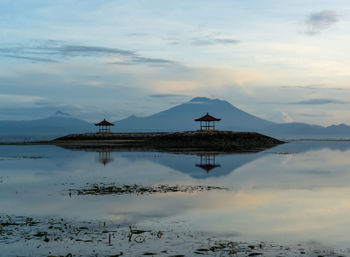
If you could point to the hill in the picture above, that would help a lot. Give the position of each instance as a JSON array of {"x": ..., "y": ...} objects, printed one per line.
[{"x": 48, "y": 128}]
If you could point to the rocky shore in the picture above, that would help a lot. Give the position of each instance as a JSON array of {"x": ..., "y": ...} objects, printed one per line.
[{"x": 226, "y": 141}]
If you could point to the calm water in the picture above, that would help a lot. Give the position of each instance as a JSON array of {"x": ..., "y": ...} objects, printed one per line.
[{"x": 295, "y": 192}]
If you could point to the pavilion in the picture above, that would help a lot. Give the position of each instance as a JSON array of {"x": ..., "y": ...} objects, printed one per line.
[
  {"x": 207, "y": 122},
  {"x": 104, "y": 126}
]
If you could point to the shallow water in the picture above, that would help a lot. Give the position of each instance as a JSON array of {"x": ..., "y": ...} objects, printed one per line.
[{"x": 296, "y": 192}]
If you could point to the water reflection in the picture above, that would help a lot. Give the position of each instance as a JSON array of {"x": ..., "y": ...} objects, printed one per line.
[
  {"x": 296, "y": 191},
  {"x": 215, "y": 164},
  {"x": 207, "y": 162},
  {"x": 104, "y": 156}
]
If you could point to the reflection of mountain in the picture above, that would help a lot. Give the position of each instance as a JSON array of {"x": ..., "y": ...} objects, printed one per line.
[
  {"x": 207, "y": 162},
  {"x": 186, "y": 163},
  {"x": 197, "y": 165}
]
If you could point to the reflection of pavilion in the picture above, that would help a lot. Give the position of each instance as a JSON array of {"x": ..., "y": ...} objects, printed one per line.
[
  {"x": 207, "y": 162},
  {"x": 104, "y": 157}
]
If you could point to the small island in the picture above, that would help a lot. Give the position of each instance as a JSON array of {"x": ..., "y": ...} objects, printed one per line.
[
  {"x": 207, "y": 138},
  {"x": 221, "y": 141}
]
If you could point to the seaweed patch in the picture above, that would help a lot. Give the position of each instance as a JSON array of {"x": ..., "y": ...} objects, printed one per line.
[{"x": 106, "y": 189}]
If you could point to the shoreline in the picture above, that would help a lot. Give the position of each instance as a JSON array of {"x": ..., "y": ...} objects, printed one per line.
[{"x": 57, "y": 236}]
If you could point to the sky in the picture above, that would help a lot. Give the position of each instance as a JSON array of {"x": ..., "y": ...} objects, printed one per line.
[{"x": 285, "y": 61}]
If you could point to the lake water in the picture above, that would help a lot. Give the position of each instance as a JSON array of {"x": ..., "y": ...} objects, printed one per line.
[{"x": 297, "y": 192}]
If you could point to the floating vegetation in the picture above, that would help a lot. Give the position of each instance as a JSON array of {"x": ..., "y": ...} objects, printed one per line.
[
  {"x": 59, "y": 237},
  {"x": 106, "y": 189}
]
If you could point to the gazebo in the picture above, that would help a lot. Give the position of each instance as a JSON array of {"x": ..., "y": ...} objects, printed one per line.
[
  {"x": 104, "y": 126},
  {"x": 207, "y": 122}
]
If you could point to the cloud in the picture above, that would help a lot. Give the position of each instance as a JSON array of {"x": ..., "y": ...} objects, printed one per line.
[
  {"x": 16, "y": 99},
  {"x": 34, "y": 59},
  {"x": 82, "y": 50},
  {"x": 138, "y": 60},
  {"x": 317, "y": 101},
  {"x": 316, "y": 87},
  {"x": 167, "y": 95},
  {"x": 321, "y": 21},
  {"x": 54, "y": 51},
  {"x": 204, "y": 41}
]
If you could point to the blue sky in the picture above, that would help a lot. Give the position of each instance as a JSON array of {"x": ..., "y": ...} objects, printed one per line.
[{"x": 280, "y": 60}]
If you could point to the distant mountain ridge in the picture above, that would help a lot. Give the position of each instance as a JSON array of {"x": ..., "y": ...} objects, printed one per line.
[
  {"x": 177, "y": 118},
  {"x": 43, "y": 129}
]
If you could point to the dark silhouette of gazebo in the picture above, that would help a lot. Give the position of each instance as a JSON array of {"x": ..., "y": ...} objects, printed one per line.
[
  {"x": 104, "y": 157},
  {"x": 104, "y": 126},
  {"x": 207, "y": 162},
  {"x": 207, "y": 122}
]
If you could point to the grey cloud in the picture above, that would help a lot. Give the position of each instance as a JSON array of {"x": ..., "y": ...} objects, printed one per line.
[
  {"x": 34, "y": 59},
  {"x": 32, "y": 112},
  {"x": 313, "y": 87},
  {"x": 140, "y": 59},
  {"x": 147, "y": 60},
  {"x": 317, "y": 101},
  {"x": 167, "y": 95},
  {"x": 213, "y": 41},
  {"x": 204, "y": 41},
  {"x": 81, "y": 50},
  {"x": 227, "y": 41},
  {"x": 320, "y": 21},
  {"x": 57, "y": 50}
]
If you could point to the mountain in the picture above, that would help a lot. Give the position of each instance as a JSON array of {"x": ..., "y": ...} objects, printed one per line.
[
  {"x": 181, "y": 118},
  {"x": 178, "y": 118},
  {"x": 302, "y": 130},
  {"x": 57, "y": 125}
]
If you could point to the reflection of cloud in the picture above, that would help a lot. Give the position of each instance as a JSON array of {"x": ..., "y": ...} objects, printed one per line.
[
  {"x": 315, "y": 172},
  {"x": 313, "y": 115},
  {"x": 320, "y": 21},
  {"x": 287, "y": 158},
  {"x": 287, "y": 117},
  {"x": 245, "y": 199}
]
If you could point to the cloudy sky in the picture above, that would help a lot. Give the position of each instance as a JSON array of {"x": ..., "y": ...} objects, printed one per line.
[{"x": 280, "y": 60}]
